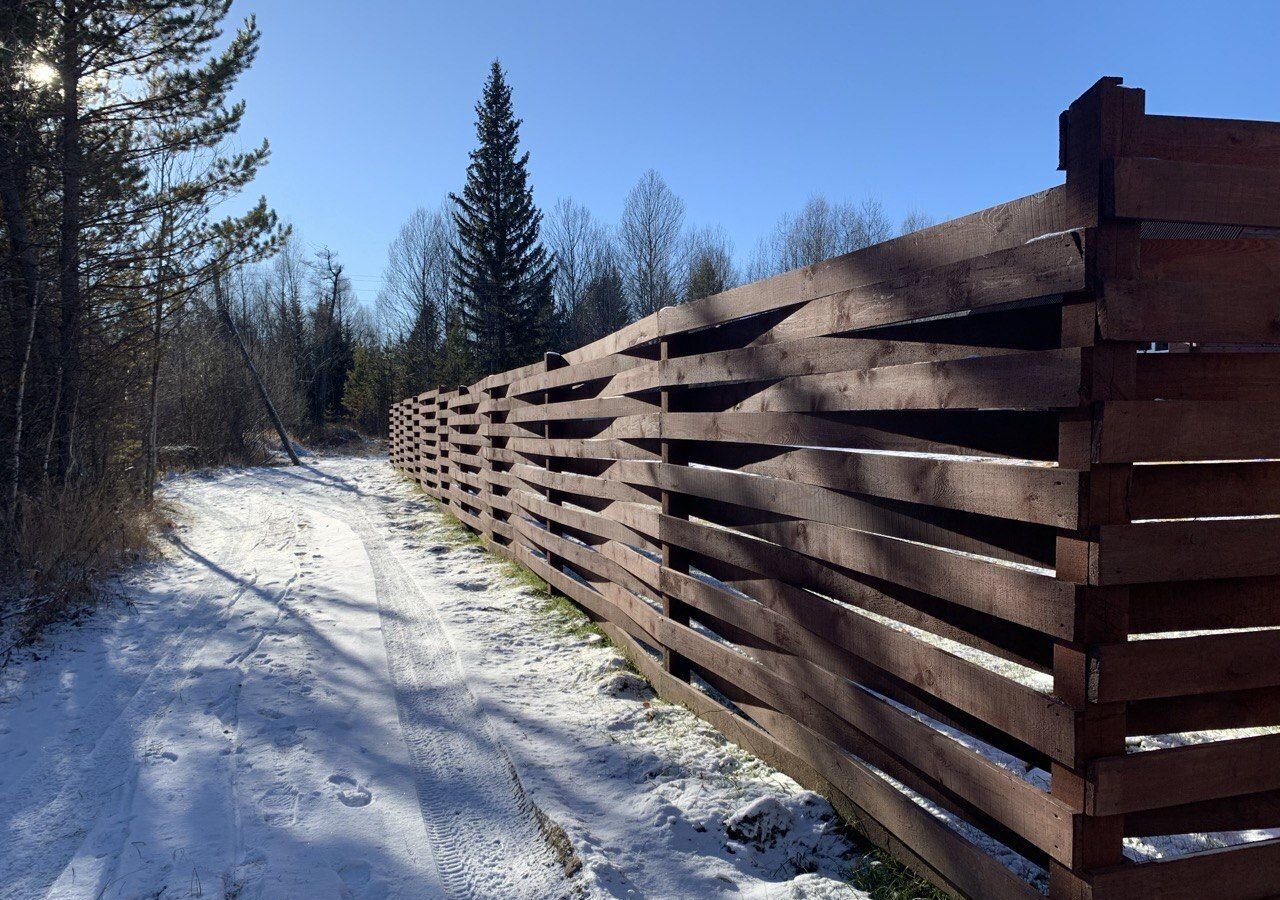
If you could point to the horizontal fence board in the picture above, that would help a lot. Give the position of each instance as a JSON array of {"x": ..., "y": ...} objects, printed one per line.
[
  {"x": 1247, "y": 872},
  {"x": 1171, "y": 777},
  {"x": 806, "y": 356},
  {"x": 1167, "y": 191},
  {"x": 1042, "y": 268},
  {"x": 1023, "y": 381},
  {"x": 1220, "y": 142},
  {"x": 1177, "y": 430},
  {"x": 1178, "y": 551},
  {"x": 1209, "y": 376},
  {"x": 1178, "y": 666}
]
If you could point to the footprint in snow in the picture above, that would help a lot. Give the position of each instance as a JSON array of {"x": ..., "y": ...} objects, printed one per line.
[{"x": 349, "y": 792}]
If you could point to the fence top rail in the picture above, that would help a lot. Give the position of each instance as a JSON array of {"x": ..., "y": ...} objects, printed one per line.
[{"x": 978, "y": 234}]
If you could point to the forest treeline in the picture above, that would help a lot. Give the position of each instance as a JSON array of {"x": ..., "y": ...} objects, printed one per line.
[{"x": 156, "y": 318}]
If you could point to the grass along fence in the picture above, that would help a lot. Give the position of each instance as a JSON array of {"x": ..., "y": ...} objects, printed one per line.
[{"x": 934, "y": 528}]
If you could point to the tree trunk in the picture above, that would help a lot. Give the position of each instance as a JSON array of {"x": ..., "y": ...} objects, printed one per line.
[
  {"x": 24, "y": 253},
  {"x": 69, "y": 231},
  {"x": 18, "y": 403},
  {"x": 151, "y": 465},
  {"x": 253, "y": 370}
]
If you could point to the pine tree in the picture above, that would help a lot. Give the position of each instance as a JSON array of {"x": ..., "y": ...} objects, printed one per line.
[
  {"x": 602, "y": 310},
  {"x": 704, "y": 279},
  {"x": 502, "y": 273}
]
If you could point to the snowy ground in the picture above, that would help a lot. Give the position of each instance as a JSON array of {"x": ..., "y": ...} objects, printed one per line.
[{"x": 316, "y": 694}]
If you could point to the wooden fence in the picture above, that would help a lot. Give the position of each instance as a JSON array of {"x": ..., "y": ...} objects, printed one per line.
[{"x": 917, "y": 521}]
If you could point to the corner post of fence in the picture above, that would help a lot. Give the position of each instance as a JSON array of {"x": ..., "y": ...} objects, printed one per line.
[
  {"x": 1098, "y": 127},
  {"x": 550, "y": 362},
  {"x": 673, "y": 505}
]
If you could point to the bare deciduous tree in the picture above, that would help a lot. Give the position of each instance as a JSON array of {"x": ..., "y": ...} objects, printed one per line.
[
  {"x": 915, "y": 220},
  {"x": 650, "y": 237},
  {"x": 818, "y": 232}
]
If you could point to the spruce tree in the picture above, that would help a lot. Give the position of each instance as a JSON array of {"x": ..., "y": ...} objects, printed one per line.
[{"x": 502, "y": 273}]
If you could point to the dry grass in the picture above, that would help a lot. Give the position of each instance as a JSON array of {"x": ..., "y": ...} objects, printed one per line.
[{"x": 65, "y": 540}]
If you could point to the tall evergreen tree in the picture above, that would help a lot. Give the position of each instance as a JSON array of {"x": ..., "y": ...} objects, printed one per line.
[{"x": 502, "y": 273}]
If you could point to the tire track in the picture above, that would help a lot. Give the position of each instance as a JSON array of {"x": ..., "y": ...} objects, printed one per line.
[{"x": 483, "y": 828}]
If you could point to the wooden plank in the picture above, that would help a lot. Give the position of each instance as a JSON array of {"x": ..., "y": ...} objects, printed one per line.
[
  {"x": 594, "y": 408},
  {"x": 1040, "y": 721},
  {"x": 1185, "y": 430},
  {"x": 814, "y": 667},
  {"x": 1166, "y": 191},
  {"x": 990, "y": 435},
  {"x": 819, "y": 504},
  {"x": 1181, "y": 666},
  {"x": 1197, "y": 290},
  {"x": 1222, "y": 142},
  {"x": 978, "y": 235},
  {"x": 1254, "y": 811},
  {"x": 1036, "y": 601},
  {"x": 1204, "y": 605},
  {"x": 1210, "y": 376},
  {"x": 1200, "y": 490},
  {"x": 1050, "y": 266},
  {"x": 1045, "y": 495},
  {"x": 1046, "y": 379},
  {"x": 1247, "y": 872},
  {"x": 1174, "y": 776},
  {"x": 1187, "y": 550},
  {"x": 943, "y": 856},
  {"x": 1249, "y": 708},
  {"x": 807, "y": 356}
]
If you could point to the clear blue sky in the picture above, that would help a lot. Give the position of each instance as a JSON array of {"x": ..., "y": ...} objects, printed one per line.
[{"x": 746, "y": 108}]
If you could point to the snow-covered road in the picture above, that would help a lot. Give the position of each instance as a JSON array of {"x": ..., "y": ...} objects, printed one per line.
[{"x": 316, "y": 694}]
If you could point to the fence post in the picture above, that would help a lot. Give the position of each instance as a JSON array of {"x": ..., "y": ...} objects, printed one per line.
[
  {"x": 673, "y": 504},
  {"x": 1097, "y": 127},
  {"x": 551, "y": 361}
]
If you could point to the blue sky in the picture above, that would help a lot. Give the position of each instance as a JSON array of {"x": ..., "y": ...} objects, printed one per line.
[{"x": 746, "y": 108}]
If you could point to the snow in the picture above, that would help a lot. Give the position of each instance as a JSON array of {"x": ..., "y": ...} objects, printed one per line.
[{"x": 316, "y": 693}]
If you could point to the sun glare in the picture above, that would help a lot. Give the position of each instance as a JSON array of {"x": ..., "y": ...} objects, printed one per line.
[{"x": 42, "y": 73}]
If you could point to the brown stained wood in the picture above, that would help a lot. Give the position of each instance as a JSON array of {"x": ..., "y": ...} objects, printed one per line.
[
  {"x": 1170, "y": 777},
  {"x": 805, "y": 501},
  {"x": 945, "y": 858},
  {"x": 594, "y": 370},
  {"x": 1045, "y": 495},
  {"x": 1222, "y": 142},
  {"x": 1198, "y": 290},
  {"x": 814, "y": 665},
  {"x": 1229, "y": 814},
  {"x": 1204, "y": 605},
  {"x": 807, "y": 356},
  {"x": 1035, "y": 601},
  {"x": 1209, "y": 376},
  {"x": 1039, "y": 721},
  {"x": 597, "y": 408},
  {"x": 754, "y": 679},
  {"x": 822, "y": 426},
  {"x": 1247, "y": 872},
  {"x": 981, "y": 235},
  {"x": 902, "y": 432},
  {"x": 1198, "y": 490},
  {"x": 1188, "y": 550},
  {"x": 1047, "y": 379},
  {"x": 1166, "y": 191},
  {"x": 1050, "y": 266},
  {"x": 1180, "y": 666},
  {"x": 1189, "y": 311},
  {"x": 1187, "y": 430}
]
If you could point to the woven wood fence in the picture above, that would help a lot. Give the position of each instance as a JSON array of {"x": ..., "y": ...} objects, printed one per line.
[{"x": 920, "y": 519}]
